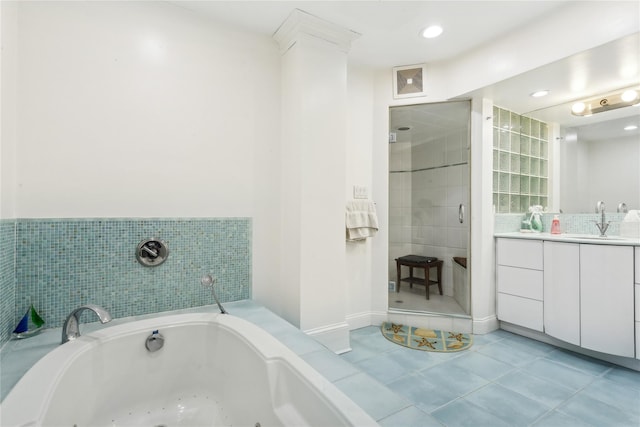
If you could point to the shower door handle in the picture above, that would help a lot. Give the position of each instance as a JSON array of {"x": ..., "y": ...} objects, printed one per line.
[{"x": 461, "y": 213}]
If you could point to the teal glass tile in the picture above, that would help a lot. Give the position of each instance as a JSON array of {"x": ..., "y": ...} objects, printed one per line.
[
  {"x": 7, "y": 279},
  {"x": 65, "y": 263}
]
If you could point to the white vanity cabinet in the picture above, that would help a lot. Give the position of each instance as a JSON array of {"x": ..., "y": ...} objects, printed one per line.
[
  {"x": 562, "y": 291},
  {"x": 520, "y": 282},
  {"x": 606, "y": 299},
  {"x": 580, "y": 293}
]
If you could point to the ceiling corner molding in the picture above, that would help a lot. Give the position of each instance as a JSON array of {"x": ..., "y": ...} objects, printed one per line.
[{"x": 300, "y": 24}]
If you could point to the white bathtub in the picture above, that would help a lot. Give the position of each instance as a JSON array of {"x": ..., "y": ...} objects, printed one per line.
[{"x": 214, "y": 370}]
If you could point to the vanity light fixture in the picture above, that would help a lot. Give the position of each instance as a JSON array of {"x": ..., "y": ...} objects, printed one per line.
[
  {"x": 432, "y": 31},
  {"x": 625, "y": 98},
  {"x": 539, "y": 93}
]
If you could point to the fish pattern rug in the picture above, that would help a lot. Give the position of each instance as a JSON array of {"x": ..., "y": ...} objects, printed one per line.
[{"x": 426, "y": 339}]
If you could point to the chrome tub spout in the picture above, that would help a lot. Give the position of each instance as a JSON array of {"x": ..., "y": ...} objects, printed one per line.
[{"x": 71, "y": 327}]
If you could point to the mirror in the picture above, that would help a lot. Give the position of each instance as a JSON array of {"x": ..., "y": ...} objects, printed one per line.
[
  {"x": 597, "y": 158},
  {"x": 589, "y": 158}
]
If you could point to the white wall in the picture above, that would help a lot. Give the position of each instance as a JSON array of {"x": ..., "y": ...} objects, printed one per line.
[
  {"x": 8, "y": 75},
  {"x": 136, "y": 109},
  {"x": 359, "y": 171}
]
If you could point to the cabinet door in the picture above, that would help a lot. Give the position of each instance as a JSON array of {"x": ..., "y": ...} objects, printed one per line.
[
  {"x": 606, "y": 299},
  {"x": 562, "y": 291}
]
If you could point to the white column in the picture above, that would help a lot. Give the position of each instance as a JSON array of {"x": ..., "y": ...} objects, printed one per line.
[{"x": 314, "y": 114}]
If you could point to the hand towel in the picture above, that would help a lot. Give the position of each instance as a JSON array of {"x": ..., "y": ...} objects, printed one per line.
[{"x": 361, "y": 220}]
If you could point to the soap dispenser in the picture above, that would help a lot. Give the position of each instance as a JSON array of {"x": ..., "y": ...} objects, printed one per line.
[{"x": 555, "y": 225}]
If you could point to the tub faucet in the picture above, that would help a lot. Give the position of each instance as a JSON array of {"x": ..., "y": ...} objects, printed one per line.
[
  {"x": 71, "y": 327},
  {"x": 602, "y": 225}
]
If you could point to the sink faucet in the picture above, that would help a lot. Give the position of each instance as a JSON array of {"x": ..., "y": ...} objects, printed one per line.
[
  {"x": 602, "y": 225},
  {"x": 71, "y": 327}
]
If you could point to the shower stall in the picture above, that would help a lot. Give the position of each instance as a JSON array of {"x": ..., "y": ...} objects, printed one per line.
[{"x": 429, "y": 203}]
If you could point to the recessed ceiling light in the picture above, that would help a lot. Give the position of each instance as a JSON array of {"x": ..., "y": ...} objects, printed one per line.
[
  {"x": 631, "y": 127},
  {"x": 540, "y": 93},
  {"x": 432, "y": 31}
]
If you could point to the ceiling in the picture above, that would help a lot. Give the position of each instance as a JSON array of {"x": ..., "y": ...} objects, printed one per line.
[
  {"x": 389, "y": 30},
  {"x": 390, "y": 36}
]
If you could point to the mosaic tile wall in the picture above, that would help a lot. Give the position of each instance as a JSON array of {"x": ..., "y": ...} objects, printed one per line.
[
  {"x": 569, "y": 223},
  {"x": 7, "y": 278},
  {"x": 64, "y": 263}
]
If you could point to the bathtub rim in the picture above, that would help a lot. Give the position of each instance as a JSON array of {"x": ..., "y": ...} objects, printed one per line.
[{"x": 50, "y": 369}]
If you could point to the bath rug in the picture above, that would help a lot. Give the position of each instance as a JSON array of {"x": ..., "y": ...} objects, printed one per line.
[{"x": 426, "y": 339}]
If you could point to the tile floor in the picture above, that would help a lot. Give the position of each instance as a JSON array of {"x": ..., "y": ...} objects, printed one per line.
[{"x": 502, "y": 380}]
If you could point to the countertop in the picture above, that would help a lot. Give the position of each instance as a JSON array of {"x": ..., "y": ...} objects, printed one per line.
[{"x": 572, "y": 238}]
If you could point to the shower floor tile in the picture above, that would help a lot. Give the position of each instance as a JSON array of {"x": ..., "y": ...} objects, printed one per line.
[{"x": 414, "y": 299}]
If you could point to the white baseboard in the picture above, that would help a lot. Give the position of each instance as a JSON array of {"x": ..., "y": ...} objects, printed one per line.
[
  {"x": 335, "y": 337},
  {"x": 366, "y": 318},
  {"x": 485, "y": 325}
]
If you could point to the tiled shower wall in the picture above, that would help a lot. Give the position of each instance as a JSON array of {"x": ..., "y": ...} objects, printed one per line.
[
  {"x": 64, "y": 263},
  {"x": 427, "y": 183}
]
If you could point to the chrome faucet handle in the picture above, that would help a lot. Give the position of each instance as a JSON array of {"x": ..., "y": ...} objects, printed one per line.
[
  {"x": 71, "y": 327},
  {"x": 622, "y": 207}
]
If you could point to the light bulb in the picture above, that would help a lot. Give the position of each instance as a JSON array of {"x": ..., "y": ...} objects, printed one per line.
[
  {"x": 629, "y": 95},
  {"x": 578, "y": 107}
]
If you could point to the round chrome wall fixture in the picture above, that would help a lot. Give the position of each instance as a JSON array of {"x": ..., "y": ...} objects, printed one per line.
[{"x": 152, "y": 252}]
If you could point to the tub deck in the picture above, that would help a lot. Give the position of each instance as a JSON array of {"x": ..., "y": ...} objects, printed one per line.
[{"x": 17, "y": 357}]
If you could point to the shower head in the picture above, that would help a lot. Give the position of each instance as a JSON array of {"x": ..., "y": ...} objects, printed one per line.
[{"x": 209, "y": 282}]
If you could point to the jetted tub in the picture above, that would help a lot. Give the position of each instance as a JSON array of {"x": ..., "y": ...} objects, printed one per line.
[{"x": 213, "y": 370}]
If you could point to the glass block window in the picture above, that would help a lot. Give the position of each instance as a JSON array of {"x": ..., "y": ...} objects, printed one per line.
[{"x": 520, "y": 162}]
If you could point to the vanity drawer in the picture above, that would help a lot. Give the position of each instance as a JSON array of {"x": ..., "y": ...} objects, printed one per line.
[
  {"x": 521, "y": 282},
  {"x": 520, "y": 311},
  {"x": 520, "y": 253}
]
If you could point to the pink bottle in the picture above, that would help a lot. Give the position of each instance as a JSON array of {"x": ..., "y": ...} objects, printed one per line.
[{"x": 555, "y": 225}]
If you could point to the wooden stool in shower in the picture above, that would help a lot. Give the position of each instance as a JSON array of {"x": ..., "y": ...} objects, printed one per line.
[{"x": 417, "y": 261}]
